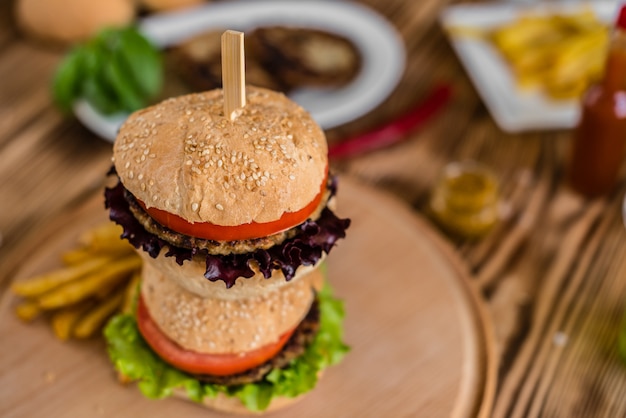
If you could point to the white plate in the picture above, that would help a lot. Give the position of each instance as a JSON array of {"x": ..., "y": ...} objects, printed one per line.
[
  {"x": 513, "y": 110},
  {"x": 382, "y": 50}
]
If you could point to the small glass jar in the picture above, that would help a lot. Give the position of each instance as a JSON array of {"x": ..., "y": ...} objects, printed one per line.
[{"x": 464, "y": 201}]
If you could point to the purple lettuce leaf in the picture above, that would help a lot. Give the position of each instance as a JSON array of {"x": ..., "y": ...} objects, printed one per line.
[{"x": 306, "y": 248}]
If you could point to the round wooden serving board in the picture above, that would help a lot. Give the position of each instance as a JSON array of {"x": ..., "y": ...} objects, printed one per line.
[{"x": 421, "y": 344}]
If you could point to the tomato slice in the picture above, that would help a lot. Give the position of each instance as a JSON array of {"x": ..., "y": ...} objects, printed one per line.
[
  {"x": 250, "y": 230},
  {"x": 202, "y": 363}
]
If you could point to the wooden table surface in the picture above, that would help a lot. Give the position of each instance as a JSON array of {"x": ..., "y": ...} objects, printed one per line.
[{"x": 551, "y": 274}]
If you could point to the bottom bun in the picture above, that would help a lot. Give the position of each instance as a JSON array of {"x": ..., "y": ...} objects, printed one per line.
[
  {"x": 218, "y": 326},
  {"x": 233, "y": 405}
]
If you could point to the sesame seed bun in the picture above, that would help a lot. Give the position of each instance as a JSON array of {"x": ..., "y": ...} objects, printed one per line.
[
  {"x": 185, "y": 157},
  {"x": 222, "y": 326},
  {"x": 190, "y": 276}
]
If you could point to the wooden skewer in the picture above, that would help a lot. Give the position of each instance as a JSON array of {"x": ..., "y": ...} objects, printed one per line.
[{"x": 233, "y": 72}]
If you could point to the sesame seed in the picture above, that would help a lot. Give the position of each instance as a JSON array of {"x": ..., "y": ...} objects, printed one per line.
[
  {"x": 219, "y": 207},
  {"x": 195, "y": 206}
]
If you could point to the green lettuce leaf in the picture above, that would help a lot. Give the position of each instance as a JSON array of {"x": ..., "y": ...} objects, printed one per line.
[
  {"x": 156, "y": 379},
  {"x": 67, "y": 81}
]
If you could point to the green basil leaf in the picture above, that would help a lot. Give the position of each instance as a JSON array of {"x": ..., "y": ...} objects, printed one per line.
[
  {"x": 117, "y": 70},
  {"x": 129, "y": 98},
  {"x": 67, "y": 81},
  {"x": 95, "y": 88},
  {"x": 143, "y": 61}
]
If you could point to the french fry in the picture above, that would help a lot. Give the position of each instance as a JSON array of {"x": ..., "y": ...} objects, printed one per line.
[
  {"x": 80, "y": 255},
  {"x": 108, "y": 289},
  {"x": 76, "y": 256},
  {"x": 39, "y": 285},
  {"x": 100, "y": 277},
  {"x": 94, "y": 319},
  {"x": 102, "y": 240},
  {"x": 104, "y": 231},
  {"x": 558, "y": 53},
  {"x": 525, "y": 31},
  {"x": 63, "y": 321},
  {"x": 27, "y": 311},
  {"x": 110, "y": 274},
  {"x": 130, "y": 293},
  {"x": 105, "y": 238}
]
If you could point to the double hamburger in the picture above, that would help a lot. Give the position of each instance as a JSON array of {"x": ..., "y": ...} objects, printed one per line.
[{"x": 233, "y": 219}]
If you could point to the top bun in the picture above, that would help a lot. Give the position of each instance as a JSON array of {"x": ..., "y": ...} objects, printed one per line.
[{"x": 185, "y": 157}]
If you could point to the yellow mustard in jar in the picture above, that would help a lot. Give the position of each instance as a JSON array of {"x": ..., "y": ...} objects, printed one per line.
[{"x": 465, "y": 199}]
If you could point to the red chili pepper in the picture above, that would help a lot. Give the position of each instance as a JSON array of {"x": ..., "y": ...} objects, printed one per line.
[{"x": 395, "y": 131}]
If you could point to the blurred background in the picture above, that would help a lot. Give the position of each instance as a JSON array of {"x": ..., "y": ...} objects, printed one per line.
[{"x": 467, "y": 112}]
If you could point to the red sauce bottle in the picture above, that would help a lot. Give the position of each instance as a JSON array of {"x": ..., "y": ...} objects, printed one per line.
[{"x": 599, "y": 140}]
